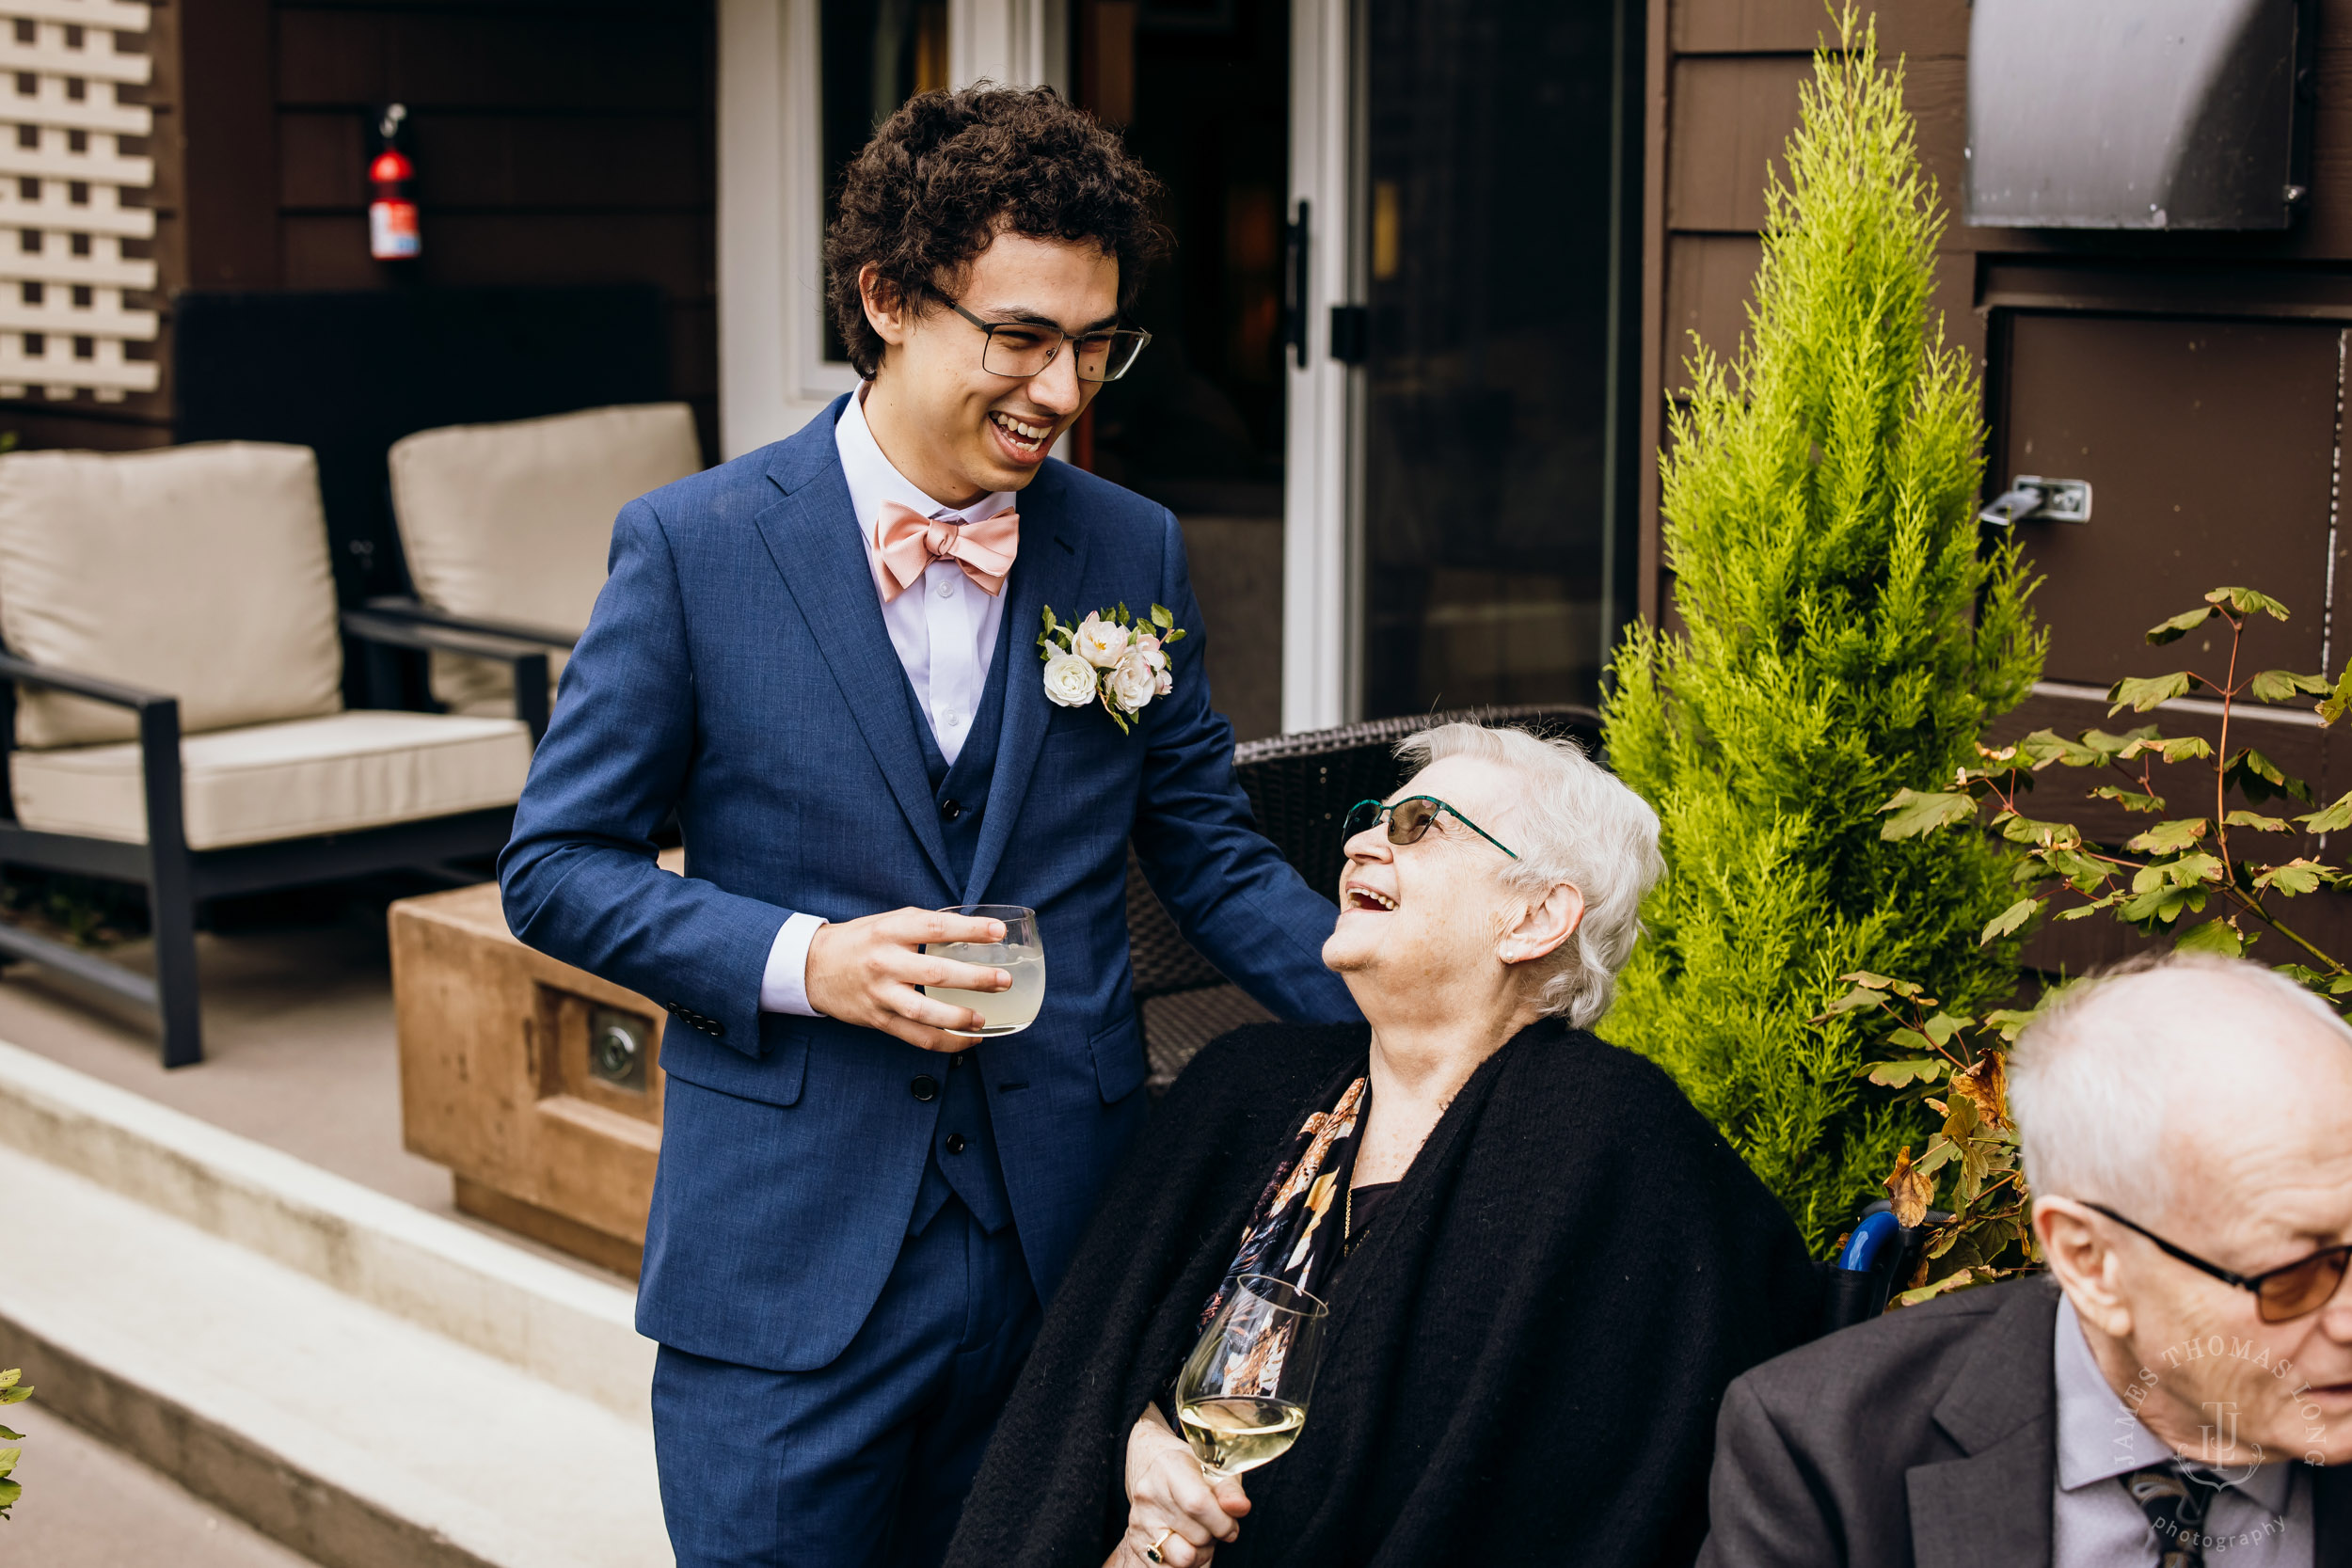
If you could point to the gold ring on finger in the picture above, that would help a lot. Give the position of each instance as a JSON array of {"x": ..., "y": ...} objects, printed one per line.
[{"x": 1153, "y": 1551}]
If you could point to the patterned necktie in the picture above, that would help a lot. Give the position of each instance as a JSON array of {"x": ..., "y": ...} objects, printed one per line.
[{"x": 2175, "y": 1501}]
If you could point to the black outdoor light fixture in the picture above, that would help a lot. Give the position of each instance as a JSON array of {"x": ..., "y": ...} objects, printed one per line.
[{"x": 2137, "y": 114}]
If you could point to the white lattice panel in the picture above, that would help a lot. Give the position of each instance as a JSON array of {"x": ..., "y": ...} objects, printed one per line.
[{"x": 63, "y": 216}]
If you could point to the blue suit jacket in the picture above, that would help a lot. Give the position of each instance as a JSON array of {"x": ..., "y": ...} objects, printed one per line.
[{"x": 736, "y": 670}]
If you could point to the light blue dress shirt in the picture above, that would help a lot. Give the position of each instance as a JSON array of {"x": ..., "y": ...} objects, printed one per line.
[
  {"x": 2264, "y": 1521},
  {"x": 943, "y": 629}
]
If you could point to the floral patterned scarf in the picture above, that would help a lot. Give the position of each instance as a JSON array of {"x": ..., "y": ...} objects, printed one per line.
[{"x": 1287, "y": 1238}]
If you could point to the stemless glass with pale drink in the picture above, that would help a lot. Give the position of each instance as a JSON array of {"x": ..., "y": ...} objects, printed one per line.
[
  {"x": 1242, "y": 1396},
  {"x": 1020, "y": 955}
]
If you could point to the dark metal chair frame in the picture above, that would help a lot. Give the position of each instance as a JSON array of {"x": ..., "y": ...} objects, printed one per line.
[
  {"x": 1300, "y": 787},
  {"x": 179, "y": 881}
]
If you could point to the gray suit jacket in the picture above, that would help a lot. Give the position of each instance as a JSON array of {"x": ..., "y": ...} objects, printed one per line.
[{"x": 1927, "y": 1438}]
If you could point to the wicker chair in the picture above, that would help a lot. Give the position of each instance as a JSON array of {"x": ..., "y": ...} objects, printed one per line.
[{"x": 1300, "y": 786}]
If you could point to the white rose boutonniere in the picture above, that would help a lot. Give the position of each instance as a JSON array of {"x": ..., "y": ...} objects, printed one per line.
[
  {"x": 1111, "y": 657},
  {"x": 1099, "y": 642},
  {"x": 1068, "y": 680},
  {"x": 1133, "y": 682}
]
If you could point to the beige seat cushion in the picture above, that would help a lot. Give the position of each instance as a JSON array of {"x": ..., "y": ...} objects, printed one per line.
[
  {"x": 515, "y": 521},
  {"x": 198, "y": 571},
  {"x": 336, "y": 774}
]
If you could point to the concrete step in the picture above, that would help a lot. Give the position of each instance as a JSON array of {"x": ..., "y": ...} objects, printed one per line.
[
  {"x": 371, "y": 1385},
  {"x": 359, "y": 1440},
  {"x": 560, "y": 1325}
]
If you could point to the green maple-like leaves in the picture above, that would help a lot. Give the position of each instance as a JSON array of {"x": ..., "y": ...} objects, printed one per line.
[
  {"x": 2168, "y": 838},
  {"x": 1916, "y": 811},
  {"x": 12, "y": 1391},
  {"x": 2010, "y": 919},
  {"x": 2260, "y": 778},
  {"x": 2212, "y": 935},
  {"x": 2299, "y": 875},
  {"x": 2180, "y": 626},
  {"x": 1974, "y": 1145},
  {"x": 2236, "y": 604},
  {"x": 2279, "y": 685},
  {"x": 2243, "y": 602},
  {"x": 2339, "y": 699},
  {"x": 2332, "y": 818},
  {"x": 2147, "y": 742},
  {"x": 2130, "y": 800},
  {"x": 2142, "y": 693}
]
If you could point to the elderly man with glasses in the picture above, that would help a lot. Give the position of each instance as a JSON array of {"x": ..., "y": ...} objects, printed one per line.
[{"x": 2177, "y": 1392}]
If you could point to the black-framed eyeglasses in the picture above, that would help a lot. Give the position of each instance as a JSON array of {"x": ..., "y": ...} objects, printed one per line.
[
  {"x": 2279, "y": 1293},
  {"x": 1023, "y": 349},
  {"x": 1409, "y": 819}
]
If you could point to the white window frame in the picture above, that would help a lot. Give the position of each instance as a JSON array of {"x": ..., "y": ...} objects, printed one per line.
[
  {"x": 1322, "y": 501},
  {"x": 773, "y": 376}
]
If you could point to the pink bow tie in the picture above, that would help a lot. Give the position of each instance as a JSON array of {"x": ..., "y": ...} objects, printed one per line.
[{"x": 908, "y": 542}]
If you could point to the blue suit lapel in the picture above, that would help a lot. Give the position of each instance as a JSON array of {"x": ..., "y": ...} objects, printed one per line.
[
  {"x": 813, "y": 538},
  {"x": 1048, "y": 571}
]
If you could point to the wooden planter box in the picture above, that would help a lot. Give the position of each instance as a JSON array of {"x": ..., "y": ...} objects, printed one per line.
[{"x": 536, "y": 1084}]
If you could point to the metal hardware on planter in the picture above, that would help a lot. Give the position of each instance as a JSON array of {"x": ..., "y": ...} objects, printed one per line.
[
  {"x": 616, "y": 1048},
  {"x": 2031, "y": 499}
]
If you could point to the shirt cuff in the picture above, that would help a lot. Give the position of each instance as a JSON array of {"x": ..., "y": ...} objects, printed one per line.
[{"x": 784, "y": 988}]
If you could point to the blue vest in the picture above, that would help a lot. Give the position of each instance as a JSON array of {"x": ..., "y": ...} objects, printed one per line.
[{"x": 963, "y": 1145}]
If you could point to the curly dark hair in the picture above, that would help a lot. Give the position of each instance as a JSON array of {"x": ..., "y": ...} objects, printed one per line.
[{"x": 951, "y": 170}]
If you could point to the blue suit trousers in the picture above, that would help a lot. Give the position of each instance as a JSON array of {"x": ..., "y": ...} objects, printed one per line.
[{"x": 864, "y": 1463}]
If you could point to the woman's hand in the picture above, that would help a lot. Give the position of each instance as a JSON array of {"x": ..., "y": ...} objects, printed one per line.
[{"x": 1167, "y": 1491}]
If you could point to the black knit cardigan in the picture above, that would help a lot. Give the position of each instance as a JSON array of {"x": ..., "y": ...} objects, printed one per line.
[{"x": 1526, "y": 1351}]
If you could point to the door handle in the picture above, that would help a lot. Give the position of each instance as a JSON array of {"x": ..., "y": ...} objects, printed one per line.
[
  {"x": 1295, "y": 285},
  {"x": 1351, "y": 334}
]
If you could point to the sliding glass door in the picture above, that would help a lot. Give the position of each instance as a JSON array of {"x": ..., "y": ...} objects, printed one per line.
[{"x": 1492, "y": 237}]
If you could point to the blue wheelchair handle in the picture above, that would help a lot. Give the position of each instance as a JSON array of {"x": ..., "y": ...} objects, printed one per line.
[{"x": 1869, "y": 1242}]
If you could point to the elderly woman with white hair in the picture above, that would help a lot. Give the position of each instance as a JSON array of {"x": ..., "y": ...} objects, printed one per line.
[{"x": 1538, "y": 1266}]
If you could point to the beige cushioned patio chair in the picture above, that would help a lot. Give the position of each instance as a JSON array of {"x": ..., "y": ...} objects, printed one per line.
[
  {"x": 176, "y": 652},
  {"x": 507, "y": 527}
]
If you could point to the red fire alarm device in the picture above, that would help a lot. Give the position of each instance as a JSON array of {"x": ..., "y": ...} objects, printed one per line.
[{"x": 392, "y": 234}]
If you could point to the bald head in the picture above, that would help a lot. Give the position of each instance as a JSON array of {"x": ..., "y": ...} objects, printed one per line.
[
  {"x": 2204, "y": 1100},
  {"x": 2172, "y": 1076}
]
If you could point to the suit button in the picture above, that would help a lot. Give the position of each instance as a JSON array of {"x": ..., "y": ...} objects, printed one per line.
[
  {"x": 925, "y": 1086},
  {"x": 949, "y": 810},
  {"x": 955, "y": 1143}
]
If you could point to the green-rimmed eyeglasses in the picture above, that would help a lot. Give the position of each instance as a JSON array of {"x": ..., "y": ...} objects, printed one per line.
[
  {"x": 1023, "y": 349},
  {"x": 1409, "y": 819},
  {"x": 2279, "y": 1293}
]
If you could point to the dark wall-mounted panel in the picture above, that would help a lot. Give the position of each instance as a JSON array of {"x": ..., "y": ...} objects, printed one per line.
[
  {"x": 2133, "y": 113},
  {"x": 2210, "y": 448}
]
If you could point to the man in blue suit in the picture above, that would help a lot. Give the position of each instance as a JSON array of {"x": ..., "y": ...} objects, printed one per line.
[{"x": 823, "y": 656}]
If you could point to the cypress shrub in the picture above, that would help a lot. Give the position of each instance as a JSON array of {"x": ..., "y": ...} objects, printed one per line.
[{"x": 1842, "y": 635}]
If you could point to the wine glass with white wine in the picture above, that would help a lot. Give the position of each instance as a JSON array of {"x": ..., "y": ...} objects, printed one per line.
[
  {"x": 1020, "y": 955},
  {"x": 1242, "y": 1397}
]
